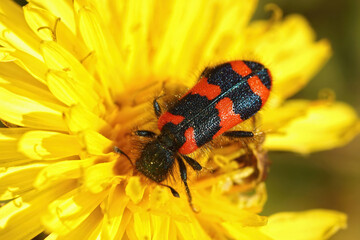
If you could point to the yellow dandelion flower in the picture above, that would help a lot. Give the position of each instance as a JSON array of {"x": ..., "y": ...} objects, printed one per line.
[{"x": 77, "y": 77}]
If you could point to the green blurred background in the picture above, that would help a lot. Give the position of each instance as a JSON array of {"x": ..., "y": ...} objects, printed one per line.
[{"x": 329, "y": 179}]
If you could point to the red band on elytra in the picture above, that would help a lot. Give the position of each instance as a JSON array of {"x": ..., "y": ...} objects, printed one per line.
[
  {"x": 240, "y": 68},
  {"x": 168, "y": 117},
  {"x": 190, "y": 145},
  {"x": 203, "y": 88},
  {"x": 228, "y": 118},
  {"x": 259, "y": 89}
]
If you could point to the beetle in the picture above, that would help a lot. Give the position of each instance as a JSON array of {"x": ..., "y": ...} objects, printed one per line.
[{"x": 224, "y": 96}]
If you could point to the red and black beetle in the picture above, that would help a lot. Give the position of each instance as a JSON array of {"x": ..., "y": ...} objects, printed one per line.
[{"x": 225, "y": 95}]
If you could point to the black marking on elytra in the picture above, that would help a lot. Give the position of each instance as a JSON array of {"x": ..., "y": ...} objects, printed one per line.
[
  {"x": 189, "y": 105},
  {"x": 265, "y": 78},
  {"x": 261, "y": 72},
  {"x": 254, "y": 66},
  {"x": 245, "y": 101},
  {"x": 225, "y": 77},
  {"x": 205, "y": 124}
]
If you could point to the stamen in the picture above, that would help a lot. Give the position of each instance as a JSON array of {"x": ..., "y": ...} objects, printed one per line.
[{"x": 53, "y": 31}]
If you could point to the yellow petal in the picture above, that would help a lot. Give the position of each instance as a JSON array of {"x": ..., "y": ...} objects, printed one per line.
[
  {"x": 61, "y": 171},
  {"x": 40, "y": 21},
  {"x": 9, "y": 138},
  {"x": 99, "y": 40},
  {"x": 217, "y": 210},
  {"x": 149, "y": 226},
  {"x": 191, "y": 230},
  {"x": 52, "y": 236},
  {"x": 141, "y": 226},
  {"x": 245, "y": 233},
  {"x": 135, "y": 189},
  {"x": 20, "y": 218},
  {"x": 313, "y": 224},
  {"x": 310, "y": 126},
  {"x": 286, "y": 47},
  {"x": 161, "y": 227},
  {"x": 61, "y": 8},
  {"x": 57, "y": 58},
  {"x": 50, "y": 27},
  {"x": 68, "y": 211},
  {"x": 133, "y": 34},
  {"x": 71, "y": 92},
  {"x": 26, "y": 101},
  {"x": 19, "y": 81},
  {"x": 199, "y": 28},
  {"x": 12, "y": 226},
  {"x": 15, "y": 181},
  {"x": 89, "y": 229},
  {"x": 115, "y": 219},
  {"x": 80, "y": 119},
  {"x": 224, "y": 41},
  {"x": 45, "y": 145},
  {"x": 15, "y": 30},
  {"x": 32, "y": 65},
  {"x": 158, "y": 197},
  {"x": 25, "y": 111},
  {"x": 100, "y": 176},
  {"x": 5, "y": 52},
  {"x": 288, "y": 79},
  {"x": 163, "y": 203},
  {"x": 18, "y": 162},
  {"x": 95, "y": 143},
  {"x": 61, "y": 86},
  {"x": 105, "y": 50}
]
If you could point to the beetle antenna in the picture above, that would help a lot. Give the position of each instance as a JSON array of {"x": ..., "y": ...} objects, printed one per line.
[{"x": 119, "y": 151}]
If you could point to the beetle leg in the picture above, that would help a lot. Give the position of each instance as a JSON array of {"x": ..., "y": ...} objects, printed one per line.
[
  {"x": 192, "y": 162},
  {"x": 173, "y": 191},
  {"x": 157, "y": 108},
  {"x": 145, "y": 133},
  {"x": 238, "y": 134},
  {"x": 183, "y": 175}
]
